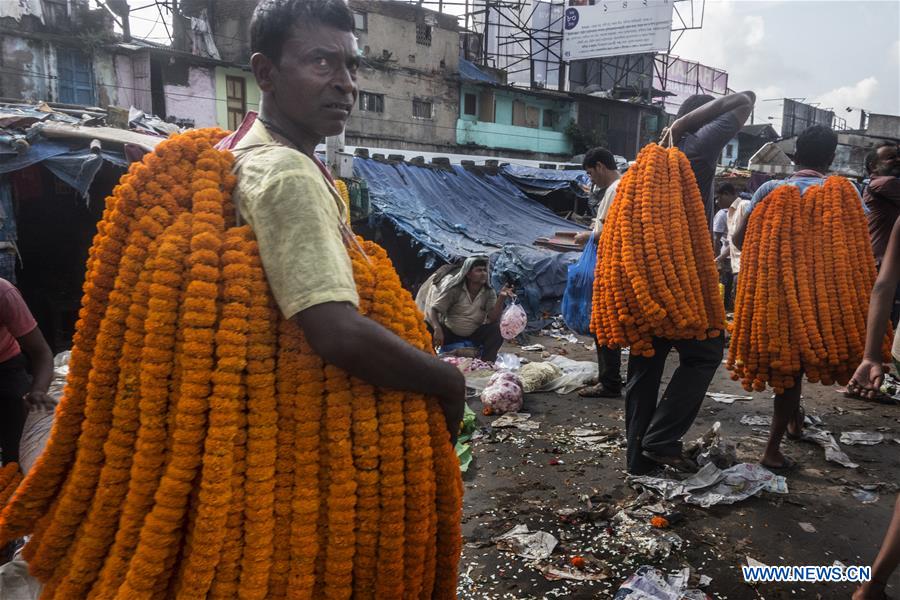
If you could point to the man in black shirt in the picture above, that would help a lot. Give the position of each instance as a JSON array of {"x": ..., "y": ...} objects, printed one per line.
[{"x": 655, "y": 427}]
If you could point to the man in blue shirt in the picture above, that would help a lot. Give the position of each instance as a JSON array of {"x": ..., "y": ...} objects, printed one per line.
[{"x": 813, "y": 157}]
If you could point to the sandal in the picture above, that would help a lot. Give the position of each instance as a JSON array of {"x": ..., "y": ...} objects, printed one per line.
[
  {"x": 800, "y": 416},
  {"x": 598, "y": 391},
  {"x": 679, "y": 463},
  {"x": 788, "y": 465}
]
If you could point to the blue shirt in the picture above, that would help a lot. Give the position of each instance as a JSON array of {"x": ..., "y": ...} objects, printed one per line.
[{"x": 802, "y": 182}]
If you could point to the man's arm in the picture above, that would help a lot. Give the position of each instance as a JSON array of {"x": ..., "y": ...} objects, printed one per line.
[
  {"x": 869, "y": 375},
  {"x": 35, "y": 347},
  {"x": 365, "y": 349},
  {"x": 434, "y": 317},
  {"x": 499, "y": 305},
  {"x": 741, "y": 104},
  {"x": 887, "y": 188}
]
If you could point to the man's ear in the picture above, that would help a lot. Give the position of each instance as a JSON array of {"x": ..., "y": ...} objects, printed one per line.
[{"x": 263, "y": 69}]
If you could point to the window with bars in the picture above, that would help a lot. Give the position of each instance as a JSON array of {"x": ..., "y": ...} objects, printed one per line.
[
  {"x": 470, "y": 104},
  {"x": 551, "y": 118},
  {"x": 236, "y": 100},
  {"x": 370, "y": 102},
  {"x": 423, "y": 34},
  {"x": 422, "y": 109}
]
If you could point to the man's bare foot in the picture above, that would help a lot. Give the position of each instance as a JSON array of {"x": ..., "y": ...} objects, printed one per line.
[
  {"x": 795, "y": 425},
  {"x": 777, "y": 461}
]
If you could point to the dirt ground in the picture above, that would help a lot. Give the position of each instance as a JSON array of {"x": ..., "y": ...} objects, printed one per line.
[{"x": 547, "y": 481}]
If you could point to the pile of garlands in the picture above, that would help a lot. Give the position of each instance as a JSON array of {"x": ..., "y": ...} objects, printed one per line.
[
  {"x": 807, "y": 271},
  {"x": 656, "y": 274},
  {"x": 10, "y": 478},
  {"x": 202, "y": 449}
]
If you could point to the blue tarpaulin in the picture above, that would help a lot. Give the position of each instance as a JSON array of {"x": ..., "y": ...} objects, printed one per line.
[
  {"x": 76, "y": 166},
  {"x": 470, "y": 71},
  {"x": 456, "y": 213},
  {"x": 533, "y": 180}
]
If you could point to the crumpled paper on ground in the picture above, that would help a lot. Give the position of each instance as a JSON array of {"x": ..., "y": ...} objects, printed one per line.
[
  {"x": 712, "y": 447},
  {"x": 516, "y": 420},
  {"x": 726, "y": 398},
  {"x": 861, "y": 438},
  {"x": 649, "y": 583},
  {"x": 710, "y": 485},
  {"x": 642, "y": 537},
  {"x": 833, "y": 452},
  {"x": 531, "y": 545}
]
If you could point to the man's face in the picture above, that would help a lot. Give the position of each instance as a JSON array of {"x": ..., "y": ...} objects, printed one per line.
[
  {"x": 888, "y": 162},
  {"x": 597, "y": 174},
  {"x": 725, "y": 200},
  {"x": 314, "y": 82},
  {"x": 477, "y": 275}
]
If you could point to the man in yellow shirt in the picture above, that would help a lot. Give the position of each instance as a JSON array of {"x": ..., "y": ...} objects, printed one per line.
[{"x": 305, "y": 60}]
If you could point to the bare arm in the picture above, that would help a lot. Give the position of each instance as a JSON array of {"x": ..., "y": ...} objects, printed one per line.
[
  {"x": 500, "y": 304},
  {"x": 35, "y": 347},
  {"x": 868, "y": 377},
  {"x": 740, "y": 230},
  {"x": 741, "y": 103},
  {"x": 434, "y": 317},
  {"x": 365, "y": 349}
]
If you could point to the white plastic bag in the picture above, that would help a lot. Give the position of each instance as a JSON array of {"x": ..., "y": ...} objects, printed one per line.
[{"x": 513, "y": 321}]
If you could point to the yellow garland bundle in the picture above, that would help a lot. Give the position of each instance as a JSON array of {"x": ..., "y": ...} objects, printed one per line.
[
  {"x": 803, "y": 295},
  {"x": 656, "y": 274},
  {"x": 202, "y": 449},
  {"x": 344, "y": 191}
]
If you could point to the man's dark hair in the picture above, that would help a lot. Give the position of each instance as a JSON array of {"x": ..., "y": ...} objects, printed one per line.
[
  {"x": 692, "y": 103},
  {"x": 599, "y": 155},
  {"x": 481, "y": 262},
  {"x": 273, "y": 21},
  {"x": 726, "y": 188},
  {"x": 872, "y": 156},
  {"x": 815, "y": 147}
]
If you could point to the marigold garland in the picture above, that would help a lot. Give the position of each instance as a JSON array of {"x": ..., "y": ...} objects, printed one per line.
[
  {"x": 656, "y": 274},
  {"x": 202, "y": 449},
  {"x": 803, "y": 295}
]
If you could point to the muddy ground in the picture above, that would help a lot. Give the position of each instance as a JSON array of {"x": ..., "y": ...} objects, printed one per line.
[{"x": 547, "y": 481}]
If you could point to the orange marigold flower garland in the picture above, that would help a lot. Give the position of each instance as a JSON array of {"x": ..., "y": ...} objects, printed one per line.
[
  {"x": 10, "y": 478},
  {"x": 803, "y": 294},
  {"x": 656, "y": 274},
  {"x": 196, "y": 474}
]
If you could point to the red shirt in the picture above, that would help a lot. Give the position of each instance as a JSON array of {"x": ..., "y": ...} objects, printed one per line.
[
  {"x": 15, "y": 320},
  {"x": 882, "y": 197}
]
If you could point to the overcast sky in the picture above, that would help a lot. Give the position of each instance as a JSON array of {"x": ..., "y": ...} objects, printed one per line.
[{"x": 839, "y": 53}]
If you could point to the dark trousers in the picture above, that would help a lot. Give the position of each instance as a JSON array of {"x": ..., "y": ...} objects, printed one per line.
[
  {"x": 610, "y": 363},
  {"x": 727, "y": 279},
  {"x": 658, "y": 425},
  {"x": 14, "y": 383},
  {"x": 487, "y": 336}
]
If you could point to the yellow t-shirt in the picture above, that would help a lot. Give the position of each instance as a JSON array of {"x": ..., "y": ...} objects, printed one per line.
[{"x": 297, "y": 218}]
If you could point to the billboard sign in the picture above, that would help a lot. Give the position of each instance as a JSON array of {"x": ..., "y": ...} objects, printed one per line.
[{"x": 616, "y": 28}]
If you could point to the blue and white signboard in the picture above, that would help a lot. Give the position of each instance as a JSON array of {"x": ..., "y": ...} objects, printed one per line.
[{"x": 615, "y": 28}]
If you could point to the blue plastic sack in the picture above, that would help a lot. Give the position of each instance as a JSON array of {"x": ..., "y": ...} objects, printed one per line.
[{"x": 576, "y": 304}]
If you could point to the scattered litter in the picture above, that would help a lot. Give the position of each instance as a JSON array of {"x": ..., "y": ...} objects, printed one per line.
[
  {"x": 756, "y": 420},
  {"x": 726, "y": 398},
  {"x": 807, "y": 527},
  {"x": 865, "y": 496},
  {"x": 752, "y": 562},
  {"x": 532, "y": 545},
  {"x": 705, "y": 580},
  {"x": 517, "y": 420},
  {"x": 861, "y": 438},
  {"x": 508, "y": 361},
  {"x": 590, "y": 347},
  {"x": 712, "y": 447},
  {"x": 711, "y": 485},
  {"x": 649, "y": 583},
  {"x": 833, "y": 452},
  {"x": 643, "y": 538},
  {"x": 553, "y": 573},
  {"x": 537, "y": 375},
  {"x": 533, "y": 348}
]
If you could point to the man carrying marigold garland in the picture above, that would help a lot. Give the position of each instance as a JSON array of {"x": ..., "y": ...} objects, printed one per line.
[
  {"x": 655, "y": 426},
  {"x": 813, "y": 157},
  {"x": 305, "y": 60}
]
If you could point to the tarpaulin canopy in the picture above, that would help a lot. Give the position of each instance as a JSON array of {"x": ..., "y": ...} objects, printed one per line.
[
  {"x": 454, "y": 213},
  {"x": 76, "y": 166},
  {"x": 539, "y": 181}
]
